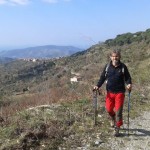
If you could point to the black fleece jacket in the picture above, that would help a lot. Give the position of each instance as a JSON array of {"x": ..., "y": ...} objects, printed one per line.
[{"x": 115, "y": 78}]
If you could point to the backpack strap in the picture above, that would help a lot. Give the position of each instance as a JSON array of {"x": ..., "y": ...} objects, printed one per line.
[
  {"x": 106, "y": 69},
  {"x": 122, "y": 65}
]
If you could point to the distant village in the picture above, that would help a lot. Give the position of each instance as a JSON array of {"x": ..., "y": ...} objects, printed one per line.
[{"x": 39, "y": 59}]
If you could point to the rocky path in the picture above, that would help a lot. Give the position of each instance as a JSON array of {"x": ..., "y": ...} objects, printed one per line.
[{"x": 138, "y": 139}]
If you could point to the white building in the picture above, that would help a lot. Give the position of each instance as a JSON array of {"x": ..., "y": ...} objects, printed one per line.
[{"x": 74, "y": 79}]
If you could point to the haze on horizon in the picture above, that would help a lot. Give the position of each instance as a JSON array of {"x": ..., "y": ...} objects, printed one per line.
[{"x": 80, "y": 23}]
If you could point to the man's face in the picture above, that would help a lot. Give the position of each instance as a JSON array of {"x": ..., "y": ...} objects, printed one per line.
[{"x": 115, "y": 58}]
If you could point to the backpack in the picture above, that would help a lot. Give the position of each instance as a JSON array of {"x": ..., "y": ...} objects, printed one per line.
[{"x": 107, "y": 67}]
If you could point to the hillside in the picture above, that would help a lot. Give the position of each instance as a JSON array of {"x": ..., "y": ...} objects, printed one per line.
[
  {"x": 47, "y": 51},
  {"x": 4, "y": 60},
  {"x": 66, "y": 119}
]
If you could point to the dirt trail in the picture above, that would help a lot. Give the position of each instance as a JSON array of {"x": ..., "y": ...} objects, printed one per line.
[{"x": 138, "y": 139}]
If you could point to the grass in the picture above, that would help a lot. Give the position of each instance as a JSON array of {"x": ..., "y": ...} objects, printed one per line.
[
  {"x": 66, "y": 125},
  {"x": 70, "y": 121}
]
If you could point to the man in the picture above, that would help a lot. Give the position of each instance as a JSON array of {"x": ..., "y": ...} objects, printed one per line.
[{"x": 116, "y": 75}]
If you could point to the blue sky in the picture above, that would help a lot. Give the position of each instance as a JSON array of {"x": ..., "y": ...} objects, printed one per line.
[{"x": 80, "y": 23}]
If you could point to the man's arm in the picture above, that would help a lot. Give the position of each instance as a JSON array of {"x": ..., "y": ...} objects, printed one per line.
[
  {"x": 128, "y": 79},
  {"x": 102, "y": 78}
]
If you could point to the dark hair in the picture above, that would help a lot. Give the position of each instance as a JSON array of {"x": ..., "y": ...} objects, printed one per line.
[{"x": 115, "y": 52}]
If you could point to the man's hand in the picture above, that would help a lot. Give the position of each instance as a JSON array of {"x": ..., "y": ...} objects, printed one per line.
[
  {"x": 129, "y": 87},
  {"x": 95, "y": 88}
]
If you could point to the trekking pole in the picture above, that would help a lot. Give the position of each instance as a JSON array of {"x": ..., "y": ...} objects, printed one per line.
[
  {"x": 95, "y": 106},
  {"x": 128, "y": 109}
]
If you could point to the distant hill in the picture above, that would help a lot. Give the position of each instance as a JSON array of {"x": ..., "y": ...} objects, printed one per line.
[
  {"x": 128, "y": 38},
  {"x": 47, "y": 51},
  {"x": 4, "y": 60}
]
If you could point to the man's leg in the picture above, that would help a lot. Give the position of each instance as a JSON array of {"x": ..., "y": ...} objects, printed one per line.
[
  {"x": 110, "y": 104},
  {"x": 119, "y": 101}
]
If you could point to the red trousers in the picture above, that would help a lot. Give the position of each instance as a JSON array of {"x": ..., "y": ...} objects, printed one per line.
[{"x": 114, "y": 106}]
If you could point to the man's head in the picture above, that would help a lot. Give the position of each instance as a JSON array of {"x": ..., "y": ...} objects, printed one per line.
[{"x": 115, "y": 57}]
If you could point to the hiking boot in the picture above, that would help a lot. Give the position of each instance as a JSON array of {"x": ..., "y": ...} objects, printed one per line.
[
  {"x": 113, "y": 122},
  {"x": 116, "y": 132}
]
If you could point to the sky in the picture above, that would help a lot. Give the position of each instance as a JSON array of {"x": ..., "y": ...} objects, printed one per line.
[{"x": 80, "y": 23}]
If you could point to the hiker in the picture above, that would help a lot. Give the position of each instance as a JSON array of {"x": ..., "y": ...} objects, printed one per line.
[{"x": 116, "y": 75}]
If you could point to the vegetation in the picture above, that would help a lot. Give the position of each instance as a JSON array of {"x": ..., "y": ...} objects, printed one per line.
[
  {"x": 129, "y": 38},
  {"x": 67, "y": 119}
]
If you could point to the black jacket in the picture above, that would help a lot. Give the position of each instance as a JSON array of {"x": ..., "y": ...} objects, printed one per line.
[{"x": 115, "y": 78}]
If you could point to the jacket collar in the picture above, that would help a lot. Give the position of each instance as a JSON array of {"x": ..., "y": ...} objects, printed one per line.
[{"x": 118, "y": 63}]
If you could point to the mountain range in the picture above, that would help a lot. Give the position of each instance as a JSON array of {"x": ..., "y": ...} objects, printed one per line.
[{"x": 47, "y": 51}]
